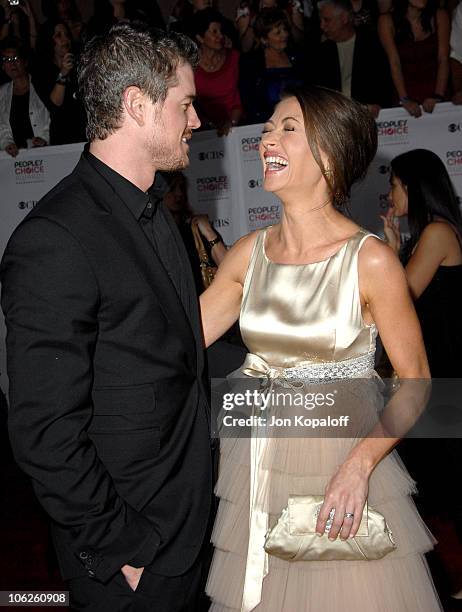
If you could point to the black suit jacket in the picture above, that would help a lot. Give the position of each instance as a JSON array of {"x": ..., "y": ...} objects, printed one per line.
[
  {"x": 370, "y": 80},
  {"x": 108, "y": 414}
]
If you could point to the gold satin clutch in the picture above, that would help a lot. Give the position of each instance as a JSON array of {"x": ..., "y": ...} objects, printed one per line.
[
  {"x": 294, "y": 538},
  {"x": 208, "y": 268}
]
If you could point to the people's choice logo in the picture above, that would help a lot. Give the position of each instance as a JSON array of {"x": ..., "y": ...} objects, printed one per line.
[
  {"x": 212, "y": 183},
  {"x": 454, "y": 161},
  {"x": 250, "y": 144},
  {"x": 259, "y": 216},
  {"x": 29, "y": 171},
  {"x": 393, "y": 131}
]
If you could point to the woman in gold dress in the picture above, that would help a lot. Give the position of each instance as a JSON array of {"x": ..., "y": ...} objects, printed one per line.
[{"x": 311, "y": 294}]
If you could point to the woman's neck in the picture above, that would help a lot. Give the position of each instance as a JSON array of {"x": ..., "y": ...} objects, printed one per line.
[
  {"x": 305, "y": 236},
  {"x": 211, "y": 59},
  {"x": 208, "y": 53},
  {"x": 119, "y": 11},
  {"x": 413, "y": 14},
  {"x": 277, "y": 58},
  {"x": 311, "y": 221}
]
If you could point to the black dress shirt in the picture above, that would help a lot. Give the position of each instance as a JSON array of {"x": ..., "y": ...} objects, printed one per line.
[{"x": 152, "y": 216}]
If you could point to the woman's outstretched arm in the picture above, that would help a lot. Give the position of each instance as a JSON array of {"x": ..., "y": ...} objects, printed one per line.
[{"x": 221, "y": 303}]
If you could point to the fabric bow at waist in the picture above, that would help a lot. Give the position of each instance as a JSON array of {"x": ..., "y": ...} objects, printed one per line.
[{"x": 256, "y": 367}]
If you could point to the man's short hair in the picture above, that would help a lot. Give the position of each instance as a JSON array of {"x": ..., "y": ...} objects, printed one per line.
[
  {"x": 126, "y": 56},
  {"x": 340, "y": 5}
]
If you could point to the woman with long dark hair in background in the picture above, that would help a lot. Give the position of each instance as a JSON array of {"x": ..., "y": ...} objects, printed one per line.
[
  {"x": 56, "y": 83},
  {"x": 415, "y": 36},
  {"x": 67, "y": 12},
  {"x": 421, "y": 189}
]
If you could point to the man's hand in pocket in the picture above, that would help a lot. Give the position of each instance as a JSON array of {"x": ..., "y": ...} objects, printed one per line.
[{"x": 132, "y": 575}]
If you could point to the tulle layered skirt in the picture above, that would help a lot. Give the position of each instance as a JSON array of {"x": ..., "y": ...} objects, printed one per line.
[{"x": 399, "y": 582}]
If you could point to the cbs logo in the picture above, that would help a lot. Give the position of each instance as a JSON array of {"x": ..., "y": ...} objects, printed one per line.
[
  {"x": 207, "y": 155},
  {"x": 253, "y": 183}
]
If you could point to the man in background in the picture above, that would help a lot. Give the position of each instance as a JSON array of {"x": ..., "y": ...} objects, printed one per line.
[{"x": 351, "y": 59}]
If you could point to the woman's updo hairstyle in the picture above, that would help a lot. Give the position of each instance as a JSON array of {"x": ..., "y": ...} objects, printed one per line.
[{"x": 344, "y": 130}]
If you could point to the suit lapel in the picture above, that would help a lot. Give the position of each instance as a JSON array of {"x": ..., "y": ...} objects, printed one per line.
[{"x": 194, "y": 315}]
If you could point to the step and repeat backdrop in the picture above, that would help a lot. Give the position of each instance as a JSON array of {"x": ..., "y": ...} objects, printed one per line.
[{"x": 225, "y": 176}]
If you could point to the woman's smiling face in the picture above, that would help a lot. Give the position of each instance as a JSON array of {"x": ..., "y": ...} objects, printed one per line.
[{"x": 288, "y": 162}]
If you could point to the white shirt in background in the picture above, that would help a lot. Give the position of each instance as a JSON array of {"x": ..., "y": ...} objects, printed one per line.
[
  {"x": 455, "y": 41},
  {"x": 345, "y": 51}
]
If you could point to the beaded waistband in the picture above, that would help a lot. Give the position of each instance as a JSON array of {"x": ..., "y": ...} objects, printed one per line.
[{"x": 257, "y": 367}]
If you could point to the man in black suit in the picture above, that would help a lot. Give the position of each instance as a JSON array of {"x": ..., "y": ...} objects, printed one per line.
[
  {"x": 351, "y": 59},
  {"x": 108, "y": 411}
]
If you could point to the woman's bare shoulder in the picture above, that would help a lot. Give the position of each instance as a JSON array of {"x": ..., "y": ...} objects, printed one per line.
[
  {"x": 438, "y": 229},
  {"x": 237, "y": 259},
  {"x": 245, "y": 244},
  {"x": 375, "y": 256},
  {"x": 440, "y": 236}
]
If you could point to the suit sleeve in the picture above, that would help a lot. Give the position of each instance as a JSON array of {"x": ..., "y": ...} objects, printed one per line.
[{"x": 50, "y": 299}]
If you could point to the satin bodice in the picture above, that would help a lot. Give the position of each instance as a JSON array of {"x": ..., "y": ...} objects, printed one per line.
[{"x": 295, "y": 314}]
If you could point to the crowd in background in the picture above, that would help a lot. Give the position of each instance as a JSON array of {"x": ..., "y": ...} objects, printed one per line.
[{"x": 382, "y": 53}]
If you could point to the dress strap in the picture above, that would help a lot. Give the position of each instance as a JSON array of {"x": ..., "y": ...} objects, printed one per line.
[{"x": 257, "y": 251}]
